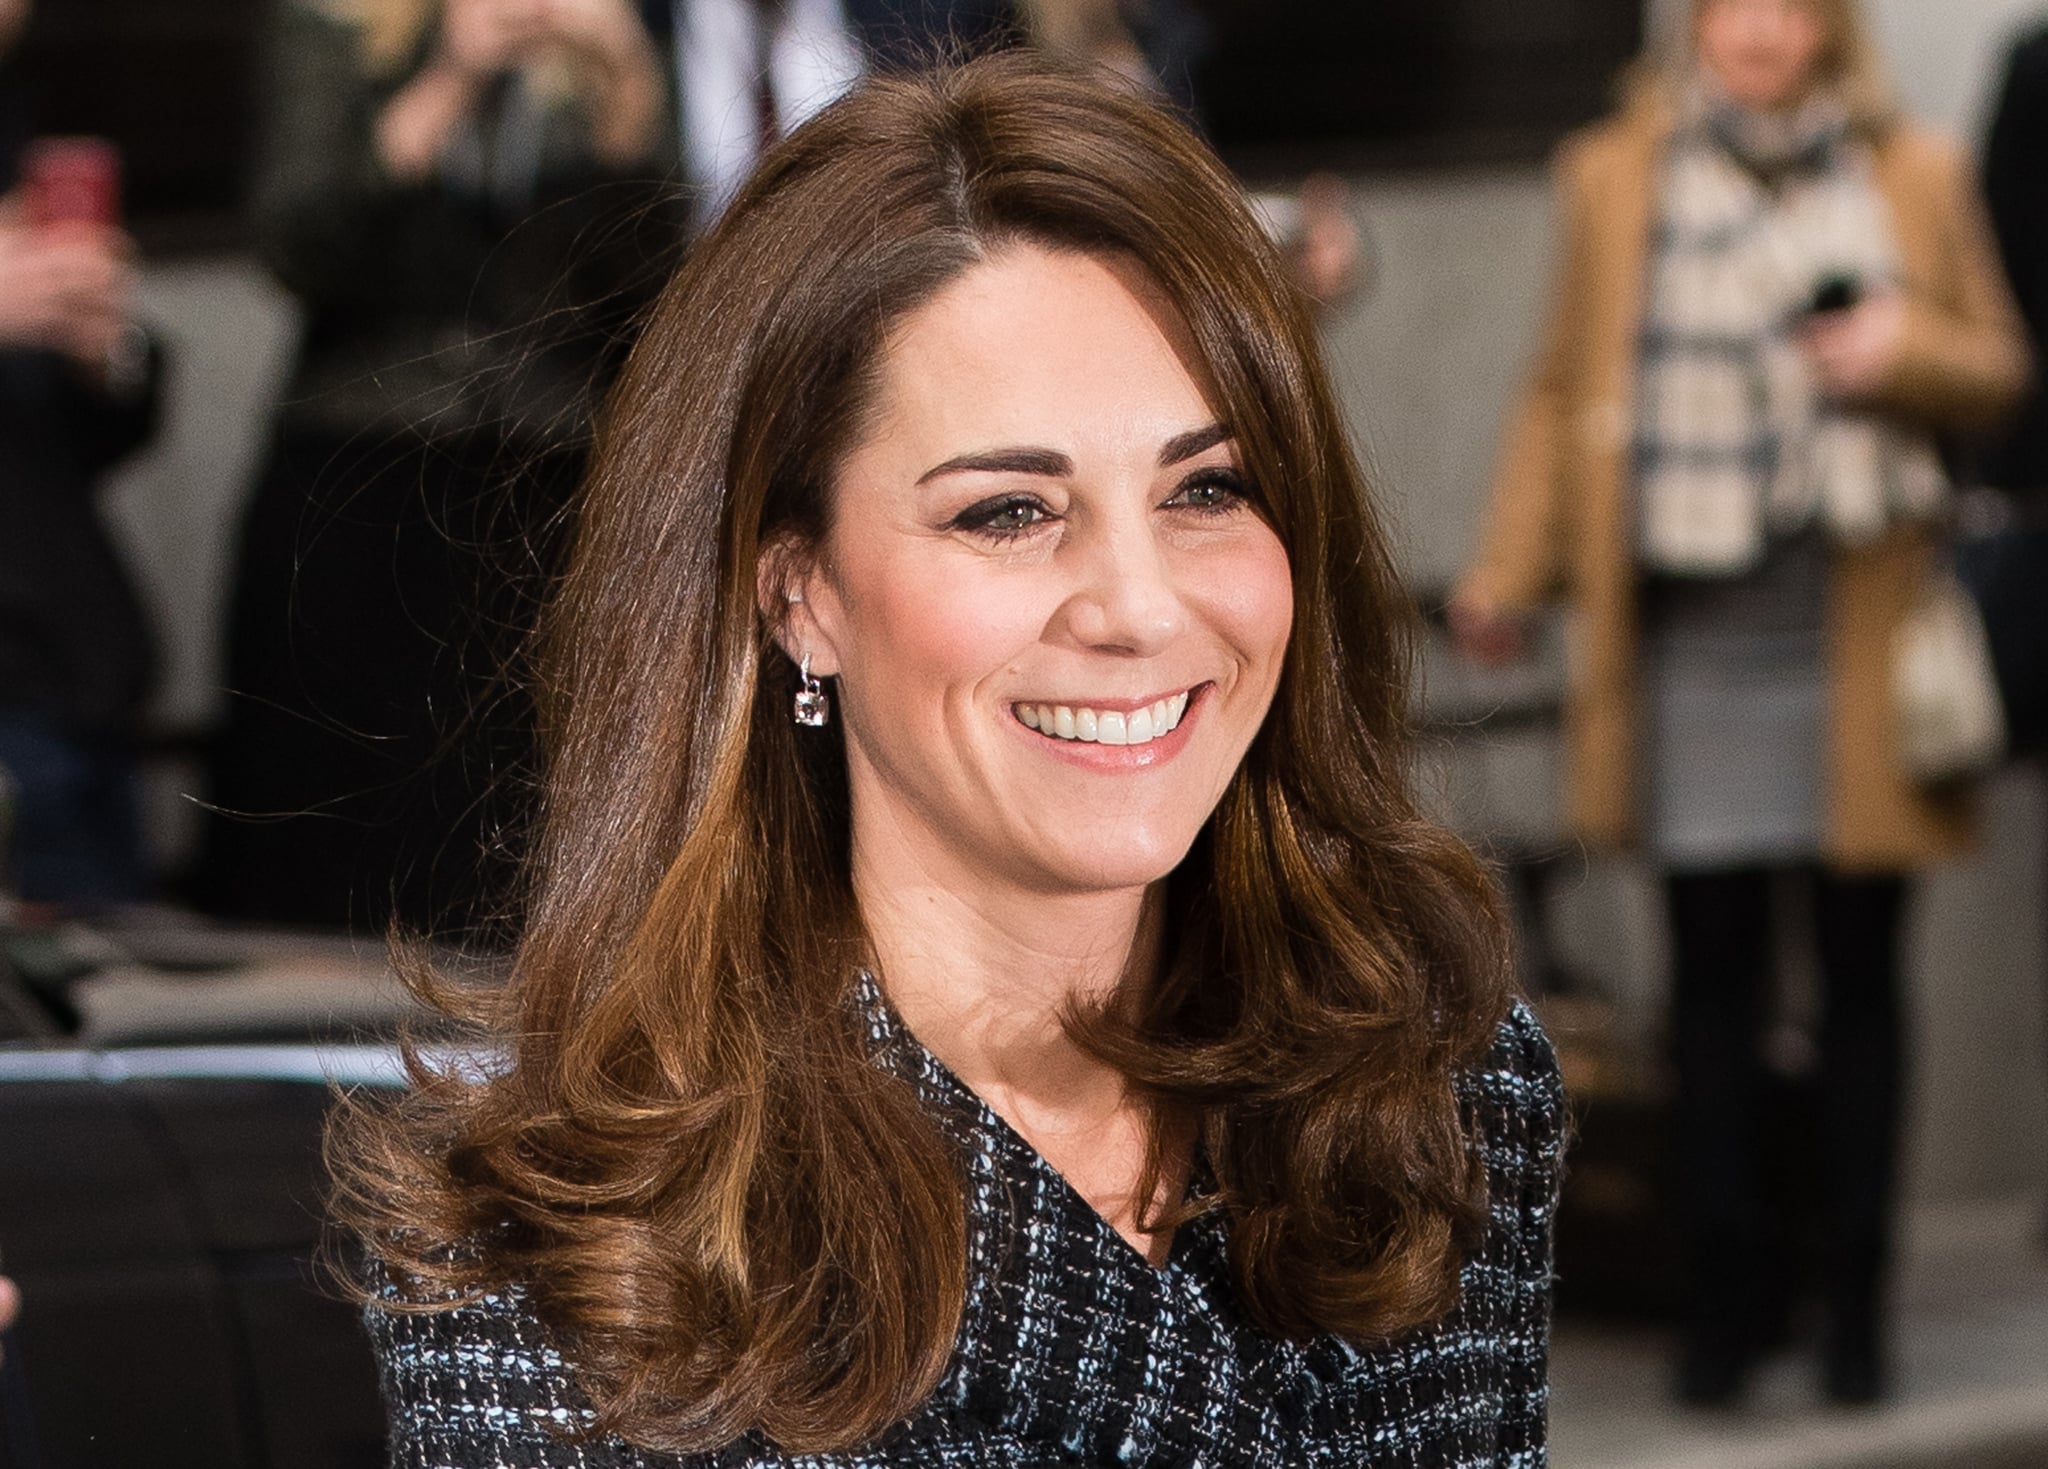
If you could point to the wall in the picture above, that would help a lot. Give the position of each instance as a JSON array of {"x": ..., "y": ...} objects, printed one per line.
[{"x": 1947, "y": 54}]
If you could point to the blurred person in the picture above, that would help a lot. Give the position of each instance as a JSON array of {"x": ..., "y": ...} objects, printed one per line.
[
  {"x": 468, "y": 200},
  {"x": 989, "y": 997},
  {"x": 1774, "y": 293},
  {"x": 78, "y": 392}
]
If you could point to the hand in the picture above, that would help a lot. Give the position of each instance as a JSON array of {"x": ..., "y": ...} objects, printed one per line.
[
  {"x": 70, "y": 287},
  {"x": 1852, "y": 351},
  {"x": 606, "y": 31},
  {"x": 1328, "y": 255},
  {"x": 1486, "y": 632},
  {"x": 481, "y": 38},
  {"x": 628, "y": 95},
  {"x": 10, "y": 1302}
]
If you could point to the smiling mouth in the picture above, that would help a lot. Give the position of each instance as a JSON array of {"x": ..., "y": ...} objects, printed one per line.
[{"x": 1085, "y": 725}]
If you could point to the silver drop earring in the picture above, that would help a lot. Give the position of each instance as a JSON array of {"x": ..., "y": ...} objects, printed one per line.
[{"x": 813, "y": 706}]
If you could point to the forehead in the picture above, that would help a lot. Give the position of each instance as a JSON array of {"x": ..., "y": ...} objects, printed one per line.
[{"x": 1031, "y": 340}]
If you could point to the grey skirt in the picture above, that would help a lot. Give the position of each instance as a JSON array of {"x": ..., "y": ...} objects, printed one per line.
[{"x": 1735, "y": 713}]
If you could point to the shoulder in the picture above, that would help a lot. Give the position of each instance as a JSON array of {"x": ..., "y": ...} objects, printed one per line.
[
  {"x": 1517, "y": 1102},
  {"x": 1918, "y": 157},
  {"x": 1617, "y": 153}
]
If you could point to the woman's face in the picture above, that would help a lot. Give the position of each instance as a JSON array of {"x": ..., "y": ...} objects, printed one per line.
[
  {"x": 1763, "y": 54},
  {"x": 1056, "y": 616}
]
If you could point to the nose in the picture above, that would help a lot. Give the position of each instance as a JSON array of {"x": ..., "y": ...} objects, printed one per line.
[{"x": 1126, "y": 599}]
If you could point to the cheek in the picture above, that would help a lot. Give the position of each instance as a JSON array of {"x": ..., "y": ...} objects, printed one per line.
[
  {"x": 930, "y": 624},
  {"x": 1254, "y": 601},
  {"x": 1714, "y": 40},
  {"x": 1807, "y": 49}
]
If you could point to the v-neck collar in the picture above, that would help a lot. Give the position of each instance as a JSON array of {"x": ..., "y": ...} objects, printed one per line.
[
  {"x": 1072, "y": 1345},
  {"x": 981, "y": 1128}
]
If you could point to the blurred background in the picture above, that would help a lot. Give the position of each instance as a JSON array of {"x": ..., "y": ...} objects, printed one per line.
[{"x": 161, "y": 1051}]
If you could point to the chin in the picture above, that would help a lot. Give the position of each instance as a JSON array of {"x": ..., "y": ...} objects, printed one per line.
[
  {"x": 1115, "y": 863},
  {"x": 1764, "y": 93}
]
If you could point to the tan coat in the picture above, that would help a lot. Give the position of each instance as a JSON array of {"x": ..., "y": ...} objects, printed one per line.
[{"x": 1562, "y": 522}]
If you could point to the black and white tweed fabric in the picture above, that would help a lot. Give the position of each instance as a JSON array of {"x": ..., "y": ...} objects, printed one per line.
[{"x": 1074, "y": 1351}]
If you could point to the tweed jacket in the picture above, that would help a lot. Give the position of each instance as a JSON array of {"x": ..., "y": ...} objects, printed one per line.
[
  {"x": 1562, "y": 520},
  {"x": 1075, "y": 1351}
]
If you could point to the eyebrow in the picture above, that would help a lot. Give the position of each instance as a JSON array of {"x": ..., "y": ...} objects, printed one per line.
[
  {"x": 1004, "y": 461},
  {"x": 1188, "y": 445},
  {"x": 1052, "y": 463}
]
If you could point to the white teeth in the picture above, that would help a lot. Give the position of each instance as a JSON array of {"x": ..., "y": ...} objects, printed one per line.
[{"x": 1106, "y": 727}]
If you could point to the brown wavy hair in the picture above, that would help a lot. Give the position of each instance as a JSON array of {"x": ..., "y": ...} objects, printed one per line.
[{"x": 725, "y": 1212}]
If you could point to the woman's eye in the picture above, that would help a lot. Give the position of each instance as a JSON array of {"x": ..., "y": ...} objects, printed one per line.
[
  {"x": 1010, "y": 516},
  {"x": 1212, "y": 491}
]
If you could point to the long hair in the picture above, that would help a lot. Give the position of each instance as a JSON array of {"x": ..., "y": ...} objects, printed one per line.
[
  {"x": 1849, "y": 65},
  {"x": 727, "y": 1212}
]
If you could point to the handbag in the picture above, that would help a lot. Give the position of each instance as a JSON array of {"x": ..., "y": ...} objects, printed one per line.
[{"x": 1950, "y": 719}]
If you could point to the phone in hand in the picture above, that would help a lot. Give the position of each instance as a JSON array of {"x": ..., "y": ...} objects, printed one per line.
[{"x": 72, "y": 180}]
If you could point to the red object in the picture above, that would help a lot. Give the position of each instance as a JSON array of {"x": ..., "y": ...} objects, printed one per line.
[{"x": 72, "y": 180}]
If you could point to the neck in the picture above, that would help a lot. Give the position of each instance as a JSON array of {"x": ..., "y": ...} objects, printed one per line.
[
  {"x": 1778, "y": 108},
  {"x": 984, "y": 973}
]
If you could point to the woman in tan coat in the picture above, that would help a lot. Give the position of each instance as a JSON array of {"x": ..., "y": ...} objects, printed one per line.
[{"x": 1775, "y": 295}]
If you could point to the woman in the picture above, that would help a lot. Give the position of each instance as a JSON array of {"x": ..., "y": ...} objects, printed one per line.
[
  {"x": 987, "y": 997},
  {"x": 1775, "y": 293},
  {"x": 465, "y": 198}
]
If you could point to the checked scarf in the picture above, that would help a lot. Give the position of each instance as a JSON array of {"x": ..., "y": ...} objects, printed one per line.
[{"x": 1735, "y": 443}]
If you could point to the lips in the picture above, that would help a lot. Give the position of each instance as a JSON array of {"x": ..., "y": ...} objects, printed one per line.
[{"x": 1086, "y": 724}]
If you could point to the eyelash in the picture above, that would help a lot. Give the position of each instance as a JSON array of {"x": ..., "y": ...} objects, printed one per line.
[
  {"x": 980, "y": 518},
  {"x": 1236, "y": 491}
]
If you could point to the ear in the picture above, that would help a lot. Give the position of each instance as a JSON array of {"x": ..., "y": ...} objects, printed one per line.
[{"x": 787, "y": 583}]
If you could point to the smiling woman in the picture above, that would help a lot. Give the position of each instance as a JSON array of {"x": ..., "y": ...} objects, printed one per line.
[{"x": 1060, "y": 1038}]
